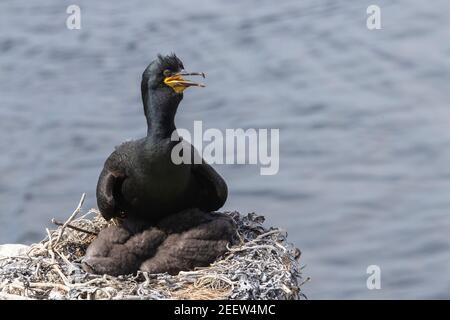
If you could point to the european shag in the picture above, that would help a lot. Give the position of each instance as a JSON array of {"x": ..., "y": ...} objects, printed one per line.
[
  {"x": 163, "y": 207},
  {"x": 139, "y": 180}
]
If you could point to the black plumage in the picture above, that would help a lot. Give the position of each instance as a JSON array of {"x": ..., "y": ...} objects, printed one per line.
[
  {"x": 163, "y": 208},
  {"x": 139, "y": 179}
]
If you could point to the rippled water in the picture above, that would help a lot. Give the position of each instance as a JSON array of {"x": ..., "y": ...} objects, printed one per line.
[{"x": 363, "y": 116}]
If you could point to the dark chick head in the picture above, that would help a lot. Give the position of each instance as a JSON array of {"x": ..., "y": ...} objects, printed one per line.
[{"x": 167, "y": 72}]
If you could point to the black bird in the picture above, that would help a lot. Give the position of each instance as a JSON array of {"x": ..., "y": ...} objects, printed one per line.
[
  {"x": 163, "y": 207},
  {"x": 140, "y": 182}
]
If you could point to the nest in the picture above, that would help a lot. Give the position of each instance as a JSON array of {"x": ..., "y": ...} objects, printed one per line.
[{"x": 263, "y": 265}]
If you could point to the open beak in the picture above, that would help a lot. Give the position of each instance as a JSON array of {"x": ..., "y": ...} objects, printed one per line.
[{"x": 179, "y": 84}]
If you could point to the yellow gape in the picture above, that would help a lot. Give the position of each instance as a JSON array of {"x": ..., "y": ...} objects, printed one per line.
[
  {"x": 179, "y": 84},
  {"x": 175, "y": 82}
]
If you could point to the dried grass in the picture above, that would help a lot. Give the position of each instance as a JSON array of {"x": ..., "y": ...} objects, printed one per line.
[{"x": 263, "y": 265}]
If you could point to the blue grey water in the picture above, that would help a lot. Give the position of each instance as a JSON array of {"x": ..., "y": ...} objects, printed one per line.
[{"x": 364, "y": 119}]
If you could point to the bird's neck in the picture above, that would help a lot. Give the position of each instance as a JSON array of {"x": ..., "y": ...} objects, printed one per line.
[{"x": 160, "y": 109}]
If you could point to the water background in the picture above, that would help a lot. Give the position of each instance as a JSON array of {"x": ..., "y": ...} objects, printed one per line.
[{"x": 364, "y": 119}]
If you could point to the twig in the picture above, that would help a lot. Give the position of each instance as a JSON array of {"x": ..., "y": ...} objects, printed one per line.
[
  {"x": 8, "y": 296},
  {"x": 267, "y": 234},
  {"x": 91, "y": 211},
  {"x": 64, "y": 258},
  {"x": 48, "y": 284},
  {"x": 50, "y": 245},
  {"x": 61, "y": 275},
  {"x": 262, "y": 246},
  {"x": 58, "y": 223},
  {"x": 72, "y": 216}
]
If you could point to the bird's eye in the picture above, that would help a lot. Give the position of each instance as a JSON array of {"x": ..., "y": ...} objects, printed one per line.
[{"x": 167, "y": 73}]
